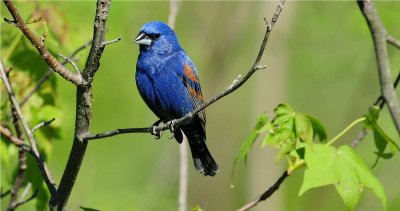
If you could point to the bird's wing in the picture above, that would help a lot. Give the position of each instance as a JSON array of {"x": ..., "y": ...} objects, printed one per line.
[{"x": 192, "y": 84}]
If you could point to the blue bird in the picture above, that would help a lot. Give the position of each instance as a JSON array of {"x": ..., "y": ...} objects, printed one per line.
[{"x": 168, "y": 82}]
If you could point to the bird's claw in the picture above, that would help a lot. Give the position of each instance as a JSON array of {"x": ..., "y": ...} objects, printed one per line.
[{"x": 155, "y": 133}]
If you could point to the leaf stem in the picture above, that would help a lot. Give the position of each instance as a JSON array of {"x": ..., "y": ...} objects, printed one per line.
[{"x": 345, "y": 130}]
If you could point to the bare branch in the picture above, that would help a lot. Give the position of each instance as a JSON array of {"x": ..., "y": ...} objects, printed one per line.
[
  {"x": 83, "y": 108},
  {"x": 111, "y": 41},
  {"x": 23, "y": 200},
  {"x": 266, "y": 194},
  {"x": 69, "y": 60},
  {"x": 42, "y": 124},
  {"x": 3, "y": 194},
  {"x": 50, "y": 72},
  {"x": 35, "y": 152},
  {"x": 393, "y": 41},
  {"x": 117, "y": 132},
  {"x": 16, "y": 141},
  {"x": 36, "y": 42},
  {"x": 379, "y": 36}
]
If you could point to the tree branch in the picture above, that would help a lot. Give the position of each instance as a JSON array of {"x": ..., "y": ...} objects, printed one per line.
[
  {"x": 20, "y": 177},
  {"x": 14, "y": 140},
  {"x": 83, "y": 107},
  {"x": 393, "y": 41},
  {"x": 50, "y": 72},
  {"x": 266, "y": 194},
  {"x": 42, "y": 124},
  {"x": 39, "y": 45},
  {"x": 238, "y": 82},
  {"x": 34, "y": 150},
  {"x": 379, "y": 36}
]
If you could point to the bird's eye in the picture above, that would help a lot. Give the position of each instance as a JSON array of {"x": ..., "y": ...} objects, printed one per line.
[{"x": 154, "y": 36}]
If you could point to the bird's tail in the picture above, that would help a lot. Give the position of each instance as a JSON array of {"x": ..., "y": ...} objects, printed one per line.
[{"x": 203, "y": 161}]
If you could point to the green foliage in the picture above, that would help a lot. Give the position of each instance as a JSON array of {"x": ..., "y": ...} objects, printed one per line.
[
  {"x": 27, "y": 69},
  {"x": 262, "y": 125},
  {"x": 343, "y": 168},
  {"x": 381, "y": 138},
  {"x": 302, "y": 139},
  {"x": 197, "y": 208}
]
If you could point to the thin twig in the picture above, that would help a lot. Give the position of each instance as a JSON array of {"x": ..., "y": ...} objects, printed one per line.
[
  {"x": 111, "y": 41},
  {"x": 379, "y": 36},
  {"x": 3, "y": 194},
  {"x": 183, "y": 120},
  {"x": 69, "y": 60},
  {"x": 117, "y": 132},
  {"x": 35, "y": 152},
  {"x": 20, "y": 176},
  {"x": 393, "y": 41},
  {"x": 14, "y": 140},
  {"x": 380, "y": 101},
  {"x": 24, "y": 201},
  {"x": 50, "y": 72},
  {"x": 42, "y": 124},
  {"x": 39, "y": 45},
  {"x": 266, "y": 194}
]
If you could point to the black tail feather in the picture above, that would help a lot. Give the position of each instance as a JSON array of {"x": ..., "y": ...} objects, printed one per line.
[{"x": 203, "y": 161}]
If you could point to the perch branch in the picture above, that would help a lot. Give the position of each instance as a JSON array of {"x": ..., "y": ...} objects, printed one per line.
[
  {"x": 34, "y": 150},
  {"x": 40, "y": 46},
  {"x": 238, "y": 82},
  {"x": 379, "y": 36}
]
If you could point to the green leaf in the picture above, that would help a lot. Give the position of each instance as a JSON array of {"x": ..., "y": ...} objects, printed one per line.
[
  {"x": 251, "y": 138},
  {"x": 197, "y": 207},
  {"x": 303, "y": 128},
  {"x": 380, "y": 137},
  {"x": 318, "y": 128},
  {"x": 342, "y": 167},
  {"x": 262, "y": 120}
]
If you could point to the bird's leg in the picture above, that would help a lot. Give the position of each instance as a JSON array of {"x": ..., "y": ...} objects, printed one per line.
[
  {"x": 172, "y": 128},
  {"x": 156, "y": 134}
]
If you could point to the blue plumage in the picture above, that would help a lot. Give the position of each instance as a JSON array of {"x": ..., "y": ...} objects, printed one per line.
[{"x": 168, "y": 82}]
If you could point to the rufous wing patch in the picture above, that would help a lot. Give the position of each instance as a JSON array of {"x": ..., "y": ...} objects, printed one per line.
[{"x": 189, "y": 73}]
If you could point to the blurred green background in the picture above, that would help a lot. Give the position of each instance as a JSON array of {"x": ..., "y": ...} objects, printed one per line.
[{"x": 320, "y": 60}]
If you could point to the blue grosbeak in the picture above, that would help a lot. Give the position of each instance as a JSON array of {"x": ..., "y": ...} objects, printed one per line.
[{"x": 168, "y": 82}]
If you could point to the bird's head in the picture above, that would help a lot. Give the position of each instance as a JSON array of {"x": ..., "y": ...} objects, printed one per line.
[{"x": 157, "y": 37}]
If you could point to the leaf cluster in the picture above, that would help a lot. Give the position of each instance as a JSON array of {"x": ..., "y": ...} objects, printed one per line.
[{"x": 302, "y": 139}]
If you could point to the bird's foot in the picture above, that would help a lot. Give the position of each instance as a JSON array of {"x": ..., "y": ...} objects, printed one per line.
[
  {"x": 154, "y": 132},
  {"x": 172, "y": 129}
]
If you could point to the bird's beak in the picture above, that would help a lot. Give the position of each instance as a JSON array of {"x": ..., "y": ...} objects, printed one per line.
[{"x": 143, "y": 39}]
